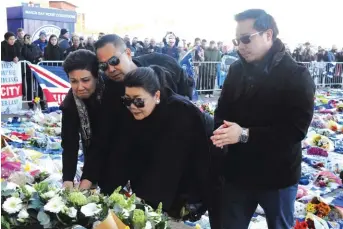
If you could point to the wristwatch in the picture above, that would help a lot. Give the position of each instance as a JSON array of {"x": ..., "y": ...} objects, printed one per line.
[{"x": 244, "y": 136}]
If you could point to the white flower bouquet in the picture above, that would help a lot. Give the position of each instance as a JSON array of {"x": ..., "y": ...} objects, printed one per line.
[{"x": 46, "y": 206}]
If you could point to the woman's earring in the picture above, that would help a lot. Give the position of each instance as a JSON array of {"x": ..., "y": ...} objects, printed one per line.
[{"x": 158, "y": 101}]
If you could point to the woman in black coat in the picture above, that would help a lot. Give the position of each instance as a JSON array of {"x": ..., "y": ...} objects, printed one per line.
[
  {"x": 52, "y": 51},
  {"x": 163, "y": 147},
  {"x": 79, "y": 109}
]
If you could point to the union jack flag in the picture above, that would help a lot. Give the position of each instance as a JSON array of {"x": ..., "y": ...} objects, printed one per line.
[{"x": 53, "y": 81}]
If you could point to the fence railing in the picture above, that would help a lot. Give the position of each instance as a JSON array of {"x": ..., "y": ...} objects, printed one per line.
[{"x": 209, "y": 76}]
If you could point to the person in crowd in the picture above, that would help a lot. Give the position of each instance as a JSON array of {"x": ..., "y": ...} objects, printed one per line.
[
  {"x": 90, "y": 44},
  {"x": 9, "y": 50},
  {"x": 79, "y": 109},
  {"x": 340, "y": 56},
  {"x": 259, "y": 125},
  {"x": 171, "y": 47},
  {"x": 115, "y": 61},
  {"x": 204, "y": 44},
  {"x": 76, "y": 45},
  {"x": 63, "y": 40},
  {"x": 212, "y": 54},
  {"x": 220, "y": 46},
  {"x": 52, "y": 50},
  {"x": 334, "y": 51},
  {"x": 127, "y": 41},
  {"x": 164, "y": 124},
  {"x": 20, "y": 38},
  {"x": 153, "y": 47},
  {"x": 181, "y": 51},
  {"x": 101, "y": 34},
  {"x": 30, "y": 51},
  {"x": 82, "y": 42},
  {"x": 297, "y": 53},
  {"x": 41, "y": 42},
  {"x": 307, "y": 55},
  {"x": 321, "y": 55}
]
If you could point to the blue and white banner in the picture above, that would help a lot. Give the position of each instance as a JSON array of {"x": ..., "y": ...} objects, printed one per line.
[{"x": 187, "y": 64}]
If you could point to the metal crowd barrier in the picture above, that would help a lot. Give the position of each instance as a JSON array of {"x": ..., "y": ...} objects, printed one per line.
[
  {"x": 30, "y": 84},
  {"x": 211, "y": 75}
]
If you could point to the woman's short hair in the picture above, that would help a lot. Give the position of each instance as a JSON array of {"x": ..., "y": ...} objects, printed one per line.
[
  {"x": 151, "y": 79},
  {"x": 81, "y": 60},
  {"x": 26, "y": 35},
  {"x": 8, "y": 35}
]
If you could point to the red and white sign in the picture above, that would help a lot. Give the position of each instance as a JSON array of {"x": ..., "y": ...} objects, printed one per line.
[{"x": 11, "y": 87}]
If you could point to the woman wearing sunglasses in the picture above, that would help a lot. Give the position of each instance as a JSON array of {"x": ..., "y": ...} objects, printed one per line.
[
  {"x": 79, "y": 109},
  {"x": 164, "y": 149}
]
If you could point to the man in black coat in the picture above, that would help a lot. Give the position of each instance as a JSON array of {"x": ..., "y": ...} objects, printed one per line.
[
  {"x": 115, "y": 61},
  {"x": 263, "y": 114}
]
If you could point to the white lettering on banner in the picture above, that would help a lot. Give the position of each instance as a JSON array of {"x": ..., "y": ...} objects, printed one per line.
[
  {"x": 10, "y": 91},
  {"x": 59, "y": 97},
  {"x": 50, "y": 14},
  {"x": 11, "y": 87}
]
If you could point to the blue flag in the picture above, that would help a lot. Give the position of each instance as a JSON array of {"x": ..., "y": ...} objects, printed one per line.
[{"x": 187, "y": 64}]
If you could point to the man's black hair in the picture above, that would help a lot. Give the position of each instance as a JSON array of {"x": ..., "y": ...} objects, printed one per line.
[
  {"x": 263, "y": 20},
  {"x": 114, "y": 39},
  {"x": 81, "y": 59},
  {"x": 8, "y": 35}
]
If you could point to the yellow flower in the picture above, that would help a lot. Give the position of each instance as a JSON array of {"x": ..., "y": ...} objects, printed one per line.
[
  {"x": 36, "y": 100},
  {"x": 27, "y": 168},
  {"x": 127, "y": 227},
  {"x": 197, "y": 226},
  {"x": 311, "y": 208}
]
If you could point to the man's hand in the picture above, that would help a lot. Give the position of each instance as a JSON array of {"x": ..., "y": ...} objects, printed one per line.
[
  {"x": 85, "y": 184},
  {"x": 68, "y": 184},
  {"x": 227, "y": 134},
  {"x": 15, "y": 59}
]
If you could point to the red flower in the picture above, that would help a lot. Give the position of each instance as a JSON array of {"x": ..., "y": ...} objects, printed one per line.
[
  {"x": 300, "y": 225},
  {"x": 310, "y": 224}
]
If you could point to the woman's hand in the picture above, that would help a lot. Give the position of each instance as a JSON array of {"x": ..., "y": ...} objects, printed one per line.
[
  {"x": 85, "y": 184},
  {"x": 68, "y": 184}
]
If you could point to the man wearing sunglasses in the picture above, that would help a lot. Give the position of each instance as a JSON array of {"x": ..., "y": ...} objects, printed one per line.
[
  {"x": 263, "y": 114},
  {"x": 115, "y": 61}
]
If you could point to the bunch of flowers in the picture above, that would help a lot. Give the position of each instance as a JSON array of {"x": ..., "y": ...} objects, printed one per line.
[
  {"x": 206, "y": 107},
  {"x": 321, "y": 141},
  {"x": 51, "y": 207},
  {"x": 318, "y": 208}
]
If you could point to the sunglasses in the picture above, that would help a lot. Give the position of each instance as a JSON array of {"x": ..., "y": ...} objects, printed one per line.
[
  {"x": 245, "y": 39},
  {"x": 138, "y": 102},
  {"x": 113, "y": 61}
]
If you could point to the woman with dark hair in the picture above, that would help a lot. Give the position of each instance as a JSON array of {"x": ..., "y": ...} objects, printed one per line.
[
  {"x": 52, "y": 51},
  {"x": 163, "y": 150},
  {"x": 79, "y": 109},
  {"x": 9, "y": 50}
]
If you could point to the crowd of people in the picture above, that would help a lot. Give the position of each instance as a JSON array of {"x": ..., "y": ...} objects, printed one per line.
[{"x": 308, "y": 53}]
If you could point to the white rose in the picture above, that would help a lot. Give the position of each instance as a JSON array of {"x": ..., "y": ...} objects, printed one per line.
[
  {"x": 55, "y": 205},
  {"x": 71, "y": 212},
  {"x": 91, "y": 209}
]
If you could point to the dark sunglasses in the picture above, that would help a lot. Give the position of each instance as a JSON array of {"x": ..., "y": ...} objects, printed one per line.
[
  {"x": 244, "y": 39},
  {"x": 138, "y": 102},
  {"x": 114, "y": 61}
]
